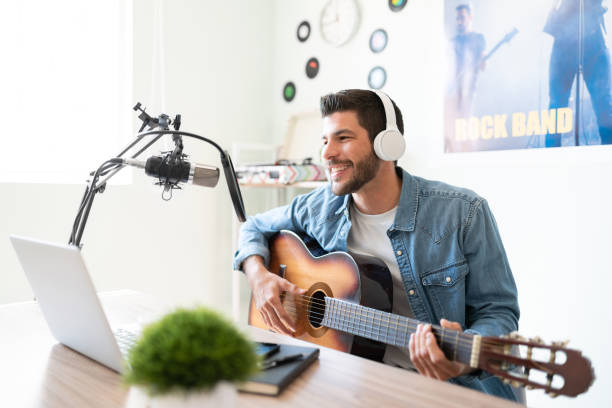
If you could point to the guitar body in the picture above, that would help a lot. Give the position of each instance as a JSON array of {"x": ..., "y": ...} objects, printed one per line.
[{"x": 354, "y": 278}]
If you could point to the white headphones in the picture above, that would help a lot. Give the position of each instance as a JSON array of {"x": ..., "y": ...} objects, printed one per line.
[{"x": 389, "y": 145}]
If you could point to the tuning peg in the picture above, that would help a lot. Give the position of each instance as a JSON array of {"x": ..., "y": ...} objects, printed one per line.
[
  {"x": 516, "y": 336},
  {"x": 507, "y": 381},
  {"x": 516, "y": 384},
  {"x": 530, "y": 387},
  {"x": 561, "y": 344},
  {"x": 552, "y": 394},
  {"x": 537, "y": 340}
]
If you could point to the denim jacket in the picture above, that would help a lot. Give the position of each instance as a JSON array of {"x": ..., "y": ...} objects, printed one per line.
[{"x": 447, "y": 246}]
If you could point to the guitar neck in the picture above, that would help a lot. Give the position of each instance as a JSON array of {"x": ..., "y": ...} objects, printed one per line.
[
  {"x": 395, "y": 330},
  {"x": 506, "y": 39}
]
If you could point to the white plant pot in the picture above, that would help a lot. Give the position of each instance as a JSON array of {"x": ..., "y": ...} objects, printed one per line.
[{"x": 223, "y": 395}]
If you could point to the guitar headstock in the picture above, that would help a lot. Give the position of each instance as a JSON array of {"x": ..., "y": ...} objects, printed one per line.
[
  {"x": 531, "y": 363},
  {"x": 510, "y": 35}
]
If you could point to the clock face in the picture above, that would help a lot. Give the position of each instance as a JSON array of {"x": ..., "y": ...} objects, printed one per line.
[{"x": 339, "y": 21}]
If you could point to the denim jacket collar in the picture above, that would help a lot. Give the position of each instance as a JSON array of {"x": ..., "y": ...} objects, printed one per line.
[
  {"x": 346, "y": 199},
  {"x": 409, "y": 202},
  {"x": 405, "y": 218}
]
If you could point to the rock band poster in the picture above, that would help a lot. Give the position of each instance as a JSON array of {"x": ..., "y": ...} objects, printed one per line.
[{"x": 527, "y": 74}]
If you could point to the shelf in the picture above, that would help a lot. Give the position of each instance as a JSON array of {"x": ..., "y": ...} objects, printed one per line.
[{"x": 299, "y": 184}]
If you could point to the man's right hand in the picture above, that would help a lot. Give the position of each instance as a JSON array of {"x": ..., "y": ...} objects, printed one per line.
[{"x": 267, "y": 288}]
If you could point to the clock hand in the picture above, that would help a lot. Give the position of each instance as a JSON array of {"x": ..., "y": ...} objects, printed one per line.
[{"x": 329, "y": 22}]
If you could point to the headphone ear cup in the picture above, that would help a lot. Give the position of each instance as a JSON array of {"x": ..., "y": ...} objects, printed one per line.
[{"x": 389, "y": 145}]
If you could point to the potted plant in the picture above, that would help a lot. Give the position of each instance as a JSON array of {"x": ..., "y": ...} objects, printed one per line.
[{"x": 189, "y": 357}]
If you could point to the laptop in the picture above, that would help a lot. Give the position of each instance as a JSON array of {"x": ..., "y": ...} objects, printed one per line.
[{"x": 68, "y": 300}]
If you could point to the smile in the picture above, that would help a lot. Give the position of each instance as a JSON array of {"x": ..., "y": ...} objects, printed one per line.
[{"x": 336, "y": 170}]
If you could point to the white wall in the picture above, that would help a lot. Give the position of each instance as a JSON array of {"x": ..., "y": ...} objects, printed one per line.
[
  {"x": 226, "y": 63},
  {"x": 217, "y": 76},
  {"x": 552, "y": 206}
]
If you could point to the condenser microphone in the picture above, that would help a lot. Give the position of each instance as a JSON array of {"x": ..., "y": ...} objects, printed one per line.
[{"x": 172, "y": 172}]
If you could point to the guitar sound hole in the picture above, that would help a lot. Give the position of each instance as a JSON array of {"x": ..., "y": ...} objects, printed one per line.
[{"x": 316, "y": 308}]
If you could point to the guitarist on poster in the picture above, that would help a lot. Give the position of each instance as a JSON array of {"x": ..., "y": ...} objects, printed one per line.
[
  {"x": 440, "y": 242},
  {"x": 469, "y": 49}
]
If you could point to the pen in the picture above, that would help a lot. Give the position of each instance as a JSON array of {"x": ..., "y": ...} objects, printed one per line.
[{"x": 283, "y": 360}]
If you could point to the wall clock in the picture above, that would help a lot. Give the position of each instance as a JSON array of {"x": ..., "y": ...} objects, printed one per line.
[{"x": 339, "y": 21}]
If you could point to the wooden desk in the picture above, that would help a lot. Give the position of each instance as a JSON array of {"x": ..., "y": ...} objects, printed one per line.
[{"x": 38, "y": 372}]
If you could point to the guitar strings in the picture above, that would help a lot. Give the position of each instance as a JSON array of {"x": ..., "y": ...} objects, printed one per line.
[
  {"x": 461, "y": 344},
  {"x": 387, "y": 324},
  {"x": 321, "y": 306},
  {"x": 355, "y": 320}
]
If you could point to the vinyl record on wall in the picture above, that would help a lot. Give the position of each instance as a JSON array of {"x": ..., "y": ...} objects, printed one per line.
[
  {"x": 312, "y": 67},
  {"x": 289, "y": 91},
  {"x": 377, "y": 77},
  {"x": 303, "y": 31},
  {"x": 397, "y": 5},
  {"x": 378, "y": 40}
]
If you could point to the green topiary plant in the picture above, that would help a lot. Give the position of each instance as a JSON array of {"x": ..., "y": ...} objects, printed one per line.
[{"x": 187, "y": 351}]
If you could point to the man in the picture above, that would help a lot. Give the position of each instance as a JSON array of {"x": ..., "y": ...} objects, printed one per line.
[
  {"x": 469, "y": 48},
  {"x": 440, "y": 242},
  {"x": 563, "y": 23}
]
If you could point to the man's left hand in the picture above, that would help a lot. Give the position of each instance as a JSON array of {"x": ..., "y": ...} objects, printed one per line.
[{"x": 427, "y": 357}]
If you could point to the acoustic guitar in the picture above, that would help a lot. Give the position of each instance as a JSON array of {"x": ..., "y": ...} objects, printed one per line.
[{"x": 348, "y": 304}]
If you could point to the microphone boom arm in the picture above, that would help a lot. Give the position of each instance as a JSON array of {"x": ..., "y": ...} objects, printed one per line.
[{"x": 94, "y": 186}]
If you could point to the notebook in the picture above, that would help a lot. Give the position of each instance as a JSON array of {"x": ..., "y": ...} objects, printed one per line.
[{"x": 274, "y": 380}]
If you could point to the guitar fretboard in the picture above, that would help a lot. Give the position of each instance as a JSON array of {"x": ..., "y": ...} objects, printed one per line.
[{"x": 391, "y": 328}]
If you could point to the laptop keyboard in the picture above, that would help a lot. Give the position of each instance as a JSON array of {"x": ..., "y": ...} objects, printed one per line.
[{"x": 125, "y": 340}]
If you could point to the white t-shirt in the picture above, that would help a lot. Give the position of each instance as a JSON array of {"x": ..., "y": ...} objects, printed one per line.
[{"x": 368, "y": 236}]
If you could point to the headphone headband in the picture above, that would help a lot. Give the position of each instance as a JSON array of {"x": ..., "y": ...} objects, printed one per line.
[{"x": 389, "y": 110}]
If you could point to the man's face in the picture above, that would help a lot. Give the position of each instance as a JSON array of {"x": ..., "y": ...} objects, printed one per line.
[
  {"x": 347, "y": 152},
  {"x": 464, "y": 21}
]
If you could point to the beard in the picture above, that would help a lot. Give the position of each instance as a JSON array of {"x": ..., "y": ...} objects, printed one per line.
[{"x": 363, "y": 171}]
